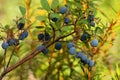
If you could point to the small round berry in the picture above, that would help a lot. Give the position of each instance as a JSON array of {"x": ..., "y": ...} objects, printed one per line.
[
  {"x": 90, "y": 18},
  {"x": 58, "y": 45},
  {"x": 47, "y": 37},
  {"x": 83, "y": 37},
  {"x": 70, "y": 44},
  {"x": 4, "y": 45},
  {"x": 16, "y": 41},
  {"x": 22, "y": 36},
  {"x": 63, "y": 10},
  {"x": 91, "y": 63},
  {"x": 40, "y": 36},
  {"x": 43, "y": 49},
  {"x": 54, "y": 19},
  {"x": 10, "y": 42},
  {"x": 92, "y": 23},
  {"x": 94, "y": 43},
  {"x": 20, "y": 26},
  {"x": 72, "y": 50},
  {"x": 79, "y": 55},
  {"x": 25, "y": 33},
  {"x": 84, "y": 59},
  {"x": 66, "y": 20}
]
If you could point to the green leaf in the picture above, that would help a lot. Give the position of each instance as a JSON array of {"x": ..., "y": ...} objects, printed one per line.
[
  {"x": 45, "y": 4},
  {"x": 55, "y": 3},
  {"x": 22, "y": 10},
  {"x": 39, "y": 27},
  {"x": 54, "y": 15},
  {"x": 98, "y": 30},
  {"x": 41, "y": 18}
]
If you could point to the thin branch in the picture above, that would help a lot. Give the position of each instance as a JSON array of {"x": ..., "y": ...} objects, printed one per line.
[
  {"x": 5, "y": 59},
  {"x": 10, "y": 58},
  {"x": 29, "y": 56}
]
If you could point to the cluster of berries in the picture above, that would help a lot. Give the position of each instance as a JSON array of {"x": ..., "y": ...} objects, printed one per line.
[
  {"x": 90, "y": 19},
  {"x": 14, "y": 41},
  {"x": 63, "y": 10}
]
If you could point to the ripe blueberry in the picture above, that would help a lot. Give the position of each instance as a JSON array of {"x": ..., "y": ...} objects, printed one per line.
[
  {"x": 40, "y": 36},
  {"x": 22, "y": 36},
  {"x": 16, "y": 41},
  {"x": 63, "y": 10},
  {"x": 10, "y": 42},
  {"x": 79, "y": 55},
  {"x": 72, "y": 50},
  {"x": 90, "y": 18},
  {"x": 85, "y": 37},
  {"x": 92, "y": 23},
  {"x": 21, "y": 25},
  {"x": 91, "y": 63},
  {"x": 66, "y": 20},
  {"x": 47, "y": 37},
  {"x": 84, "y": 59},
  {"x": 25, "y": 33},
  {"x": 70, "y": 44},
  {"x": 58, "y": 45},
  {"x": 43, "y": 48},
  {"x": 4, "y": 45},
  {"x": 54, "y": 19},
  {"x": 94, "y": 43}
]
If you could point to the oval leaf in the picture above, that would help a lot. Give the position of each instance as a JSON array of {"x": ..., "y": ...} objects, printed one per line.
[
  {"x": 55, "y": 3},
  {"x": 22, "y": 10},
  {"x": 45, "y": 4}
]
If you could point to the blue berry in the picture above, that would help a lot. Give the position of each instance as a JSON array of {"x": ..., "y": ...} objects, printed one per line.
[
  {"x": 58, "y": 45},
  {"x": 66, "y": 20},
  {"x": 94, "y": 43},
  {"x": 47, "y": 37},
  {"x": 91, "y": 63},
  {"x": 54, "y": 19},
  {"x": 25, "y": 33},
  {"x": 43, "y": 48},
  {"x": 63, "y": 10},
  {"x": 40, "y": 36},
  {"x": 22, "y": 36},
  {"x": 20, "y": 26},
  {"x": 92, "y": 23},
  {"x": 10, "y": 42},
  {"x": 90, "y": 18},
  {"x": 4, "y": 45},
  {"x": 70, "y": 44},
  {"x": 72, "y": 50},
  {"x": 84, "y": 59},
  {"x": 16, "y": 41},
  {"x": 79, "y": 55},
  {"x": 83, "y": 37}
]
